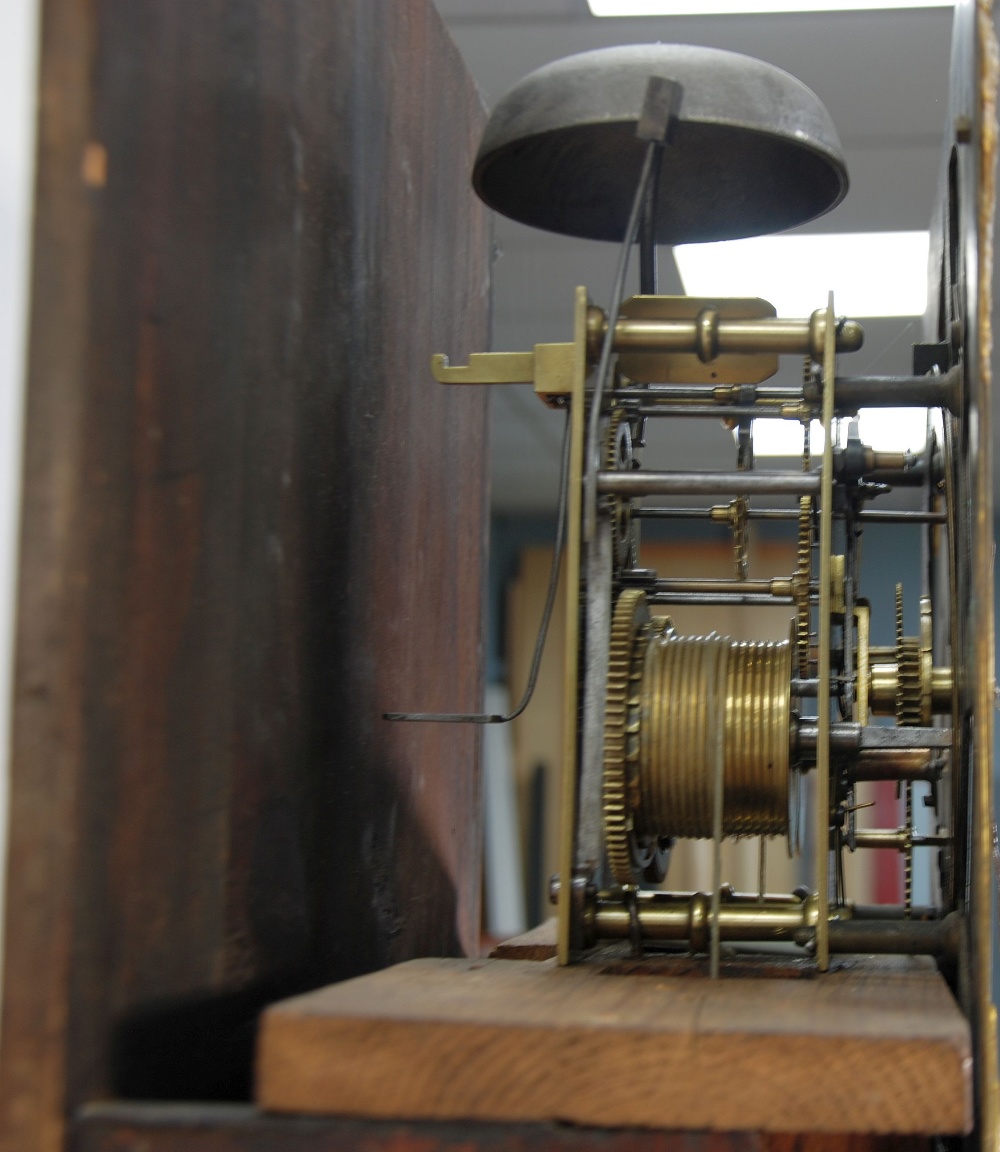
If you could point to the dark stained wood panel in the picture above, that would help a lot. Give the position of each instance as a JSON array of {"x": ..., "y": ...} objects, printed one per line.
[
  {"x": 252, "y": 523},
  {"x": 200, "y": 1128}
]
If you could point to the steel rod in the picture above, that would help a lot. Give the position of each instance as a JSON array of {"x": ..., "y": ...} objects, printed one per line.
[
  {"x": 760, "y": 599},
  {"x": 854, "y": 392},
  {"x": 900, "y": 516},
  {"x": 848, "y": 737},
  {"x": 707, "y": 483},
  {"x": 913, "y": 476},
  {"x": 779, "y": 586},
  {"x": 674, "y": 513},
  {"x": 867, "y": 515},
  {"x": 894, "y": 912},
  {"x": 884, "y": 736},
  {"x": 897, "y": 937},
  {"x": 898, "y": 838},
  {"x": 648, "y": 270},
  {"x": 895, "y": 764},
  {"x": 708, "y": 393},
  {"x": 703, "y": 411}
]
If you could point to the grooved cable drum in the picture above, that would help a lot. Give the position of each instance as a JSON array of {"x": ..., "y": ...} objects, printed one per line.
[{"x": 696, "y": 691}]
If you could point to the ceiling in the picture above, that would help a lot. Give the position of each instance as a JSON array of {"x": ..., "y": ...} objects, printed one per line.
[{"x": 883, "y": 77}]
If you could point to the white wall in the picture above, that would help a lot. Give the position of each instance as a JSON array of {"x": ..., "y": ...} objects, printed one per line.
[{"x": 18, "y": 80}]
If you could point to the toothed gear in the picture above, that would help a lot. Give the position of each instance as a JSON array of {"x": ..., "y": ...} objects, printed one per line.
[
  {"x": 899, "y": 614},
  {"x": 631, "y": 615},
  {"x": 908, "y": 683},
  {"x": 908, "y": 680},
  {"x": 618, "y": 457},
  {"x": 629, "y": 630},
  {"x": 803, "y": 568},
  {"x": 803, "y": 571},
  {"x": 908, "y": 854},
  {"x": 926, "y": 661}
]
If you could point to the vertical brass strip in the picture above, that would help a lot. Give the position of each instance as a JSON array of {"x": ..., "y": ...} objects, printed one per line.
[
  {"x": 862, "y": 614},
  {"x": 983, "y": 885},
  {"x": 570, "y": 765},
  {"x": 761, "y": 868},
  {"x": 716, "y": 683},
  {"x": 823, "y": 696}
]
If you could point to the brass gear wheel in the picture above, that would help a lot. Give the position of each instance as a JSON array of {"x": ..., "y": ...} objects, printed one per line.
[
  {"x": 926, "y": 661},
  {"x": 618, "y": 457},
  {"x": 803, "y": 571},
  {"x": 674, "y": 705},
  {"x": 803, "y": 568},
  {"x": 631, "y": 618},
  {"x": 631, "y": 629},
  {"x": 908, "y": 690},
  {"x": 909, "y": 686}
]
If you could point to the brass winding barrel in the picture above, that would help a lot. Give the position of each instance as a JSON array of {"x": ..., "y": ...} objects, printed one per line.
[
  {"x": 700, "y": 692},
  {"x": 676, "y": 704}
]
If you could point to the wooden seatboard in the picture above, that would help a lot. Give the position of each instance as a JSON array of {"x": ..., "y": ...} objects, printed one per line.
[
  {"x": 538, "y": 943},
  {"x": 875, "y": 1046}
]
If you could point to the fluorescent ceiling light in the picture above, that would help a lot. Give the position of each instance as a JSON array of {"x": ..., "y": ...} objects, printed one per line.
[
  {"x": 870, "y": 273},
  {"x": 747, "y": 7},
  {"x": 884, "y": 429}
]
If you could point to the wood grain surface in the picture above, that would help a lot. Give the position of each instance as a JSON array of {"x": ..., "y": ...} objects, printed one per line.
[
  {"x": 538, "y": 943},
  {"x": 876, "y": 1046},
  {"x": 118, "y": 1127},
  {"x": 252, "y": 523}
]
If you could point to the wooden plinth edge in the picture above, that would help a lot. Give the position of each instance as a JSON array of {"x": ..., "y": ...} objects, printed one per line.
[
  {"x": 877, "y": 1046},
  {"x": 111, "y": 1126},
  {"x": 537, "y": 943}
]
